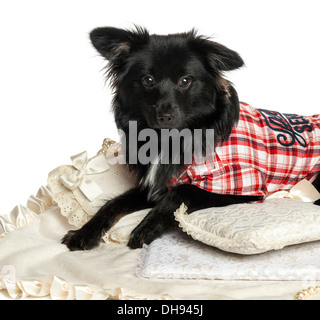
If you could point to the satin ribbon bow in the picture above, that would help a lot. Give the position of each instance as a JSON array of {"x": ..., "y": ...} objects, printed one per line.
[
  {"x": 82, "y": 177},
  {"x": 303, "y": 190}
]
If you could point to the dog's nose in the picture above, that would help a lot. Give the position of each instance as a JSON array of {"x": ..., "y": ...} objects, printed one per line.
[{"x": 165, "y": 118}]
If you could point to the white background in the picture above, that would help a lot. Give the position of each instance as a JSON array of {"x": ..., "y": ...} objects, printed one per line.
[{"x": 53, "y": 98}]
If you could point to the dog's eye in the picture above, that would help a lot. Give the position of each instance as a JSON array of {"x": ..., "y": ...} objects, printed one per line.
[
  {"x": 185, "y": 82},
  {"x": 148, "y": 81}
]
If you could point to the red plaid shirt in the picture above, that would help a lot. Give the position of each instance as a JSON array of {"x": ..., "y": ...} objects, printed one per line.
[{"x": 266, "y": 152}]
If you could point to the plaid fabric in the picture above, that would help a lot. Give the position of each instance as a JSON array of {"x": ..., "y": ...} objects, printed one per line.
[{"x": 266, "y": 152}]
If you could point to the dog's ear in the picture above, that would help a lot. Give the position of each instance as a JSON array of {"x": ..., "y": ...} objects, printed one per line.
[
  {"x": 113, "y": 42},
  {"x": 221, "y": 57},
  {"x": 218, "y": 56}
]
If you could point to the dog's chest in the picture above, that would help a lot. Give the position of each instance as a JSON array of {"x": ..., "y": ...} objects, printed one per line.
[{"x": 149, "y": 179}]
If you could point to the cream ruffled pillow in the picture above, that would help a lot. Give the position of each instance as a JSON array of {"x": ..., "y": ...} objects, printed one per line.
[
  {"x": 82, "y": 188},
  {"x": 252, "y": 228}
]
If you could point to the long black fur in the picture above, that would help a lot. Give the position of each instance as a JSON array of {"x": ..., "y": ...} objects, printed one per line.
[{"x": 210, "y": 102}]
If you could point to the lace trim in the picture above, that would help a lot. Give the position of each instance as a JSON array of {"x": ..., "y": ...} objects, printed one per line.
[{"x": 68, "y": 203}]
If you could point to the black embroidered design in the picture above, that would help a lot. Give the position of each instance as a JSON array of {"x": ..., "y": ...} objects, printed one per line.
[{"x": 290, "y": 126}]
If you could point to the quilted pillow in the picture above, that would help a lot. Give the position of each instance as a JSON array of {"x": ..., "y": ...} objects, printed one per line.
[{"x": 252, "y": 228}]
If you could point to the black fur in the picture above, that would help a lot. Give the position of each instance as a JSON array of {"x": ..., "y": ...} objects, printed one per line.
[{"x": 150, "y": 76}]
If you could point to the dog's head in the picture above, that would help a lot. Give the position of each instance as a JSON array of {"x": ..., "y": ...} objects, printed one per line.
[{"x": 172, "y": 81}]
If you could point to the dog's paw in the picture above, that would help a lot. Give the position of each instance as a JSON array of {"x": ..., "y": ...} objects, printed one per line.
[
  {"x": 144, "y": 233},
  {"x": 80, "y": 240},
  {"x": 138, "y": 238}
]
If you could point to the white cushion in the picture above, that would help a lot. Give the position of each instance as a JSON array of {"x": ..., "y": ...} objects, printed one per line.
[
  {"x": 177, "y": 256},
  {"x": 252, "y": 228}
]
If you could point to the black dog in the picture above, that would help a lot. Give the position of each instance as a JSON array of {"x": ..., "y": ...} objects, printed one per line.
[{"x": 165, "y": 82}]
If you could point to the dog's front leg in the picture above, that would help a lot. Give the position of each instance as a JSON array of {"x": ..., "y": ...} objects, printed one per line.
[
  {"x": 90, "y": 234},
  {"x": 158, "y": 220},
  {"x": 161, "y": 217}
]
